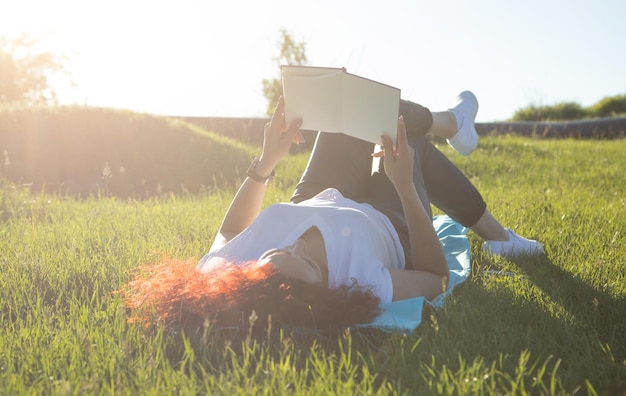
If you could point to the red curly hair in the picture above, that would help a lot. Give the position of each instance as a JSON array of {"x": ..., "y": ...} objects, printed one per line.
[{"x": 174, "y": 293}]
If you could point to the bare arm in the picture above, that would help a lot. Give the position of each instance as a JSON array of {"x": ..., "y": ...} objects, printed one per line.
[
  {"x": 246, "y": 204},
  {"x": 429, "y": 261},
  {"x": 415, "y": 283}
]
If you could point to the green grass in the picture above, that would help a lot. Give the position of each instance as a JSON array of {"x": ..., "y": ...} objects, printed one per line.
[
  {"x": 83, "y": 151},
  {"x": 557, "y": 328}
]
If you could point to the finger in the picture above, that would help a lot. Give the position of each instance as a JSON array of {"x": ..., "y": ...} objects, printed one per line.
[
  {"x": 387, "y": 146},
  {"x": 294, "y": 129},
  {"x": 401, "y": 138},
  {"x": 278, "y": 118},
  {"x": 282, "y": 123},
  {"x": 378, "y": 151},
  {"x": 298, "y": 138},
  {"x": 277, "y": 110}
]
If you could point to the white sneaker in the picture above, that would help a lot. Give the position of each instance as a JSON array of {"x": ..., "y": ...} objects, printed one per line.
[
  {"x": 466, "y": 139},
  {"x": 516, "y": 245}
]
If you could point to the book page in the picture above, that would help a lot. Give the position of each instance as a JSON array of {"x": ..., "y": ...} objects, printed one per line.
[
  {"x": 370, "y": 109},
  {"x": 331, "y": 100},
  {"x": 315, "y": 94}
]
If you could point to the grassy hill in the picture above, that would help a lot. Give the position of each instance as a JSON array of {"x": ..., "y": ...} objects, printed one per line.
[
  {"x": 552, "y": 324},
  {"x": 86, "y": 151}
]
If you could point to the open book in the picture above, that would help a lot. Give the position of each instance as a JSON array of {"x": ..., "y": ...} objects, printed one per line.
[{"x": 332, "y": 100}]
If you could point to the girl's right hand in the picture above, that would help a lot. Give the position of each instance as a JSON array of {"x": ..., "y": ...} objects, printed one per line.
[
  {"x": 398, "y": 159},
  {"x": 277, "y": 139}
]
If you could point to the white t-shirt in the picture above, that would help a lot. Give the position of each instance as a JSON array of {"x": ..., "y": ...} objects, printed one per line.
[{"x": 361, "y": 243}]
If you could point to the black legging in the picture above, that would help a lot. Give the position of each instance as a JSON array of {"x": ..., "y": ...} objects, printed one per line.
[{"x": 345, "y": 163}]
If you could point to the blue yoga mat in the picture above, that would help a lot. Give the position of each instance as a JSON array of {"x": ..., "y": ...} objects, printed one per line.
[{"x": 406, "y": 315}]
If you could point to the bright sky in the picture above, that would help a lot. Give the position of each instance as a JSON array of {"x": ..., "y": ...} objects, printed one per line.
[{"x": 208, "y": 57}]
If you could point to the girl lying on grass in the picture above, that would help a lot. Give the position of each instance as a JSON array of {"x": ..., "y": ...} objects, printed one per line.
[{"x": 348, "y": 240}]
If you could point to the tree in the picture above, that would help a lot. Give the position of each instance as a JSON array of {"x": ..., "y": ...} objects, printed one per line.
[
  {"x": 25, "y": 72},
  {"x": 291, "y": 53}
]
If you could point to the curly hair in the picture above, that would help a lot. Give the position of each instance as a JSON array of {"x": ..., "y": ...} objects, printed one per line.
[{"x": 174, "y": 293}]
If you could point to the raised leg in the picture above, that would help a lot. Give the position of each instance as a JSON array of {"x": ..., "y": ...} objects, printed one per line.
[{"x": 337, "y": 161}]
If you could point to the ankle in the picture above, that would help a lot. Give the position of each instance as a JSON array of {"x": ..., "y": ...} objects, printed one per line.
[
  {"x": 498, "y": 237},
  {"x": 445, "y": 124}
]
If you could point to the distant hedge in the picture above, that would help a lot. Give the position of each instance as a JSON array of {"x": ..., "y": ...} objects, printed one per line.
[
  {"x": 614, "y": 106},
  {"x": 596, "y": 128},
  {"x": 83, "y": 151}
]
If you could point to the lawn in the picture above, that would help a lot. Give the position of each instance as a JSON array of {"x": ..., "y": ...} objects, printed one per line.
[{"x": 554, "y": 324}]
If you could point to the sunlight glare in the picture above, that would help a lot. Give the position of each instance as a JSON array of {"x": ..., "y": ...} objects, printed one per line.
[{"x": 169, "y": 58}]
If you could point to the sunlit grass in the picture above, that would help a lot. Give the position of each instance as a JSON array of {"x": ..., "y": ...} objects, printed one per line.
[{"x": 556, "y": 327}]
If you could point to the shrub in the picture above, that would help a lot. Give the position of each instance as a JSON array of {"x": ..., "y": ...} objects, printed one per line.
[
  {"x": 560, "y": 111},
  {"x": 614, "y": 106},
  {"x": 609, "y": 107}
]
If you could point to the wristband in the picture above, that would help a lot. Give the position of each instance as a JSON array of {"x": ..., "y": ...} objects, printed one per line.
[{"x": 251, "y": 173}]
